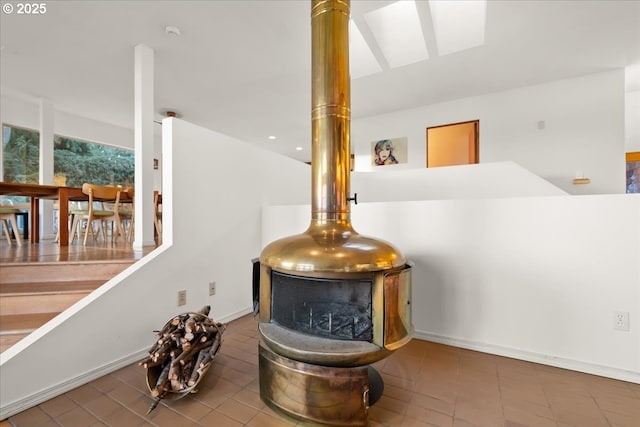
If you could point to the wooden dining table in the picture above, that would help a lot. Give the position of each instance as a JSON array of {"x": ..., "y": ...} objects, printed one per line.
[{"x": 64, "y": 195}]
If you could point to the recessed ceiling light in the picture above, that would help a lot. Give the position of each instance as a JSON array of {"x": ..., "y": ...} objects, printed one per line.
[
  {"x": 298, "y": 148},
  {"x": 272, "y": 137}
]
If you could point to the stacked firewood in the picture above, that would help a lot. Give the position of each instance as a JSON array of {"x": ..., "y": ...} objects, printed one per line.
[{"x": 183, "y": 352}]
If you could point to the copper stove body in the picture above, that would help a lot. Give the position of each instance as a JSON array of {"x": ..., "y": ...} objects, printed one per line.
[
  {"x": 319, "y": 334},
  {"x": 331, "y": 302}
]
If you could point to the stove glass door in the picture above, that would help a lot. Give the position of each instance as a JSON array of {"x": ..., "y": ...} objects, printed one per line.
[{"x": 336, "y": 309}]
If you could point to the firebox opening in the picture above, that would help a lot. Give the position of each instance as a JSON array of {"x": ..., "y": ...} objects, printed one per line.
[{"x": 330, "y": 308}]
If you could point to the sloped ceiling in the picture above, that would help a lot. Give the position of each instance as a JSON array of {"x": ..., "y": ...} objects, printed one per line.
[{"x": 243, "y": 67}]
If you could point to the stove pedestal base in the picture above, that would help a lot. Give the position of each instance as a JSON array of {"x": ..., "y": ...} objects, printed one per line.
[{"x": 320, "y": 394}]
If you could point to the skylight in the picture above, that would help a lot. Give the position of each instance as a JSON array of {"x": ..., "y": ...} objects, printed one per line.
[
  {"x": 395, "y": 32},
  {"x": 362, "y": 62},
  {"x": 458, "y": 25},
  {"x": 398, "y": 32}
]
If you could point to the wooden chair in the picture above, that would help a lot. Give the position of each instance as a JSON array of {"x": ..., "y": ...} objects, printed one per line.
[
  {"x": 73, "y": 206},
  {"x": 97, "y": 194},
  {"x": 125, "y": 215},
  {"x": 8, "y": 215},
  {"x": 75, "y": 224}
]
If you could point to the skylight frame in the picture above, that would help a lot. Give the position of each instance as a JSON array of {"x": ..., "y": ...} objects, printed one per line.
[
  {"x": 398, "y": 32},
  {"x": 458, "y": 25}
]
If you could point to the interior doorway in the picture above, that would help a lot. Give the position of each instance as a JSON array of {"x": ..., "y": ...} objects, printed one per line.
[{"x": 453, "y": 144}]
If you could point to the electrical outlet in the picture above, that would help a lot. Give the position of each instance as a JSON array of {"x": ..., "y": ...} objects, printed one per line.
[
  {"x": 212, "y": 288},
  {"x": 621, "y": 320},
  {"x": 182, "y": 297}
]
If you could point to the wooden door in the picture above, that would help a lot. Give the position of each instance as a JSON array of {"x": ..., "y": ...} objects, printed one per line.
[{"x": 454, "y": 144}]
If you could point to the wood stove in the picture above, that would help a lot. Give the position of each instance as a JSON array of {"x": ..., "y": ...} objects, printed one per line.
[{"x": 331, "y": 302}]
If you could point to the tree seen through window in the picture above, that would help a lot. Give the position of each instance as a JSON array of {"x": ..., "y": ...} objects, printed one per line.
[
  {"x": 80, "y": 162},
  {"x": 75, "y": 161}
]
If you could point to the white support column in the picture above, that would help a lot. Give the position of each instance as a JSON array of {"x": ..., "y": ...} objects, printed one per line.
[
  {"x": 46, "y": 166},
  {"x": 2, "y": 120},
  {"x": 143, "y": 136}
]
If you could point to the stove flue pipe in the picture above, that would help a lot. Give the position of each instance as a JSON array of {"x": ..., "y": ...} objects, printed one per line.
[
  {"x": 330, "y": 244},
  {"x": 331, "y": 111}
]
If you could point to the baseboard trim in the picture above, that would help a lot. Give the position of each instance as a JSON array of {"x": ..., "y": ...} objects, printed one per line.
[
  {"x": 543, "y": 359},
  {"x": 71, "y": 383},
  {"x": 233, "y": 316}
]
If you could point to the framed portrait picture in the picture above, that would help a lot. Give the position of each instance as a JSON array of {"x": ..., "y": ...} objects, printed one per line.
[{"x": 389, "y": 151}]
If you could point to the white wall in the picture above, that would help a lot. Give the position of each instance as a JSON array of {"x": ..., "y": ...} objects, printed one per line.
[
  {"x": 215, "y": 187},
  {"x": 24, "y": 113},
  {"x": 534, "y": 278},
  {"x": 584, "y": 130},
  {"x": 18, "y": 112},
  {"x": 632, "y": 121}
]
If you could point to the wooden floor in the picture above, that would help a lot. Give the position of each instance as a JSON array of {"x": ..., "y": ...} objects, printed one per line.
[
  {"x": 39, "y": 281},
  {"x": 49, "y": 251}
]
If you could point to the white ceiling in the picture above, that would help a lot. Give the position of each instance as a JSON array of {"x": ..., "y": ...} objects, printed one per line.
[{"x": 243, "y": 68}]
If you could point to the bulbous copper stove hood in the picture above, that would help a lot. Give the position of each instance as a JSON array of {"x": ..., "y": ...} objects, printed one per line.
[{"x": 331, "y": 301}]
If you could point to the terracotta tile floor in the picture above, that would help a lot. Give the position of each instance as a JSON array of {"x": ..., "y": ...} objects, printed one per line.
[{"x": 426, "y": 384}]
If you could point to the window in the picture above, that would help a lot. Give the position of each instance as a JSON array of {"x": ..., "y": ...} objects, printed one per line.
[
  {"x": 21, "y": 155},
  {"x": 76, "y": 162},
  {"x": 20, "y": 163}
]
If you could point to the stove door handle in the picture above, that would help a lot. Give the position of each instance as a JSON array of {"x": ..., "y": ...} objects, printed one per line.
[{"x": 365, "y": 400}]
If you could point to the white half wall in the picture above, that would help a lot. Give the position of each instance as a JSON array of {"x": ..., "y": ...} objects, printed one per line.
[
  {"x": 479, "y": 181},
  {"x": 533, "y": 278},
  {"x": 583, "y": 131},
  {"x": 214, "y": 190}
]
